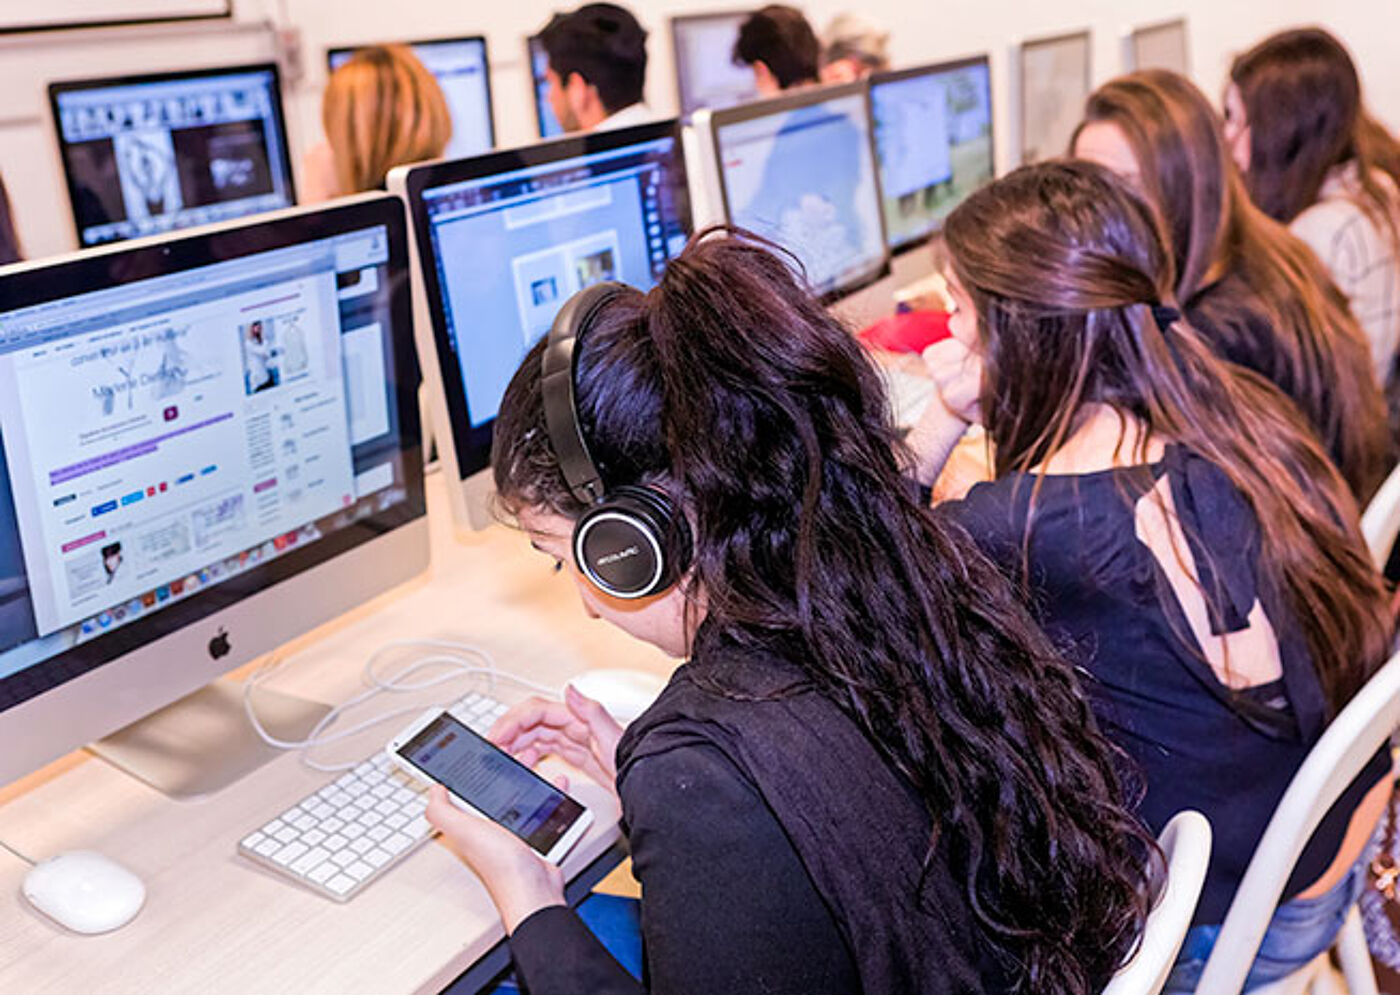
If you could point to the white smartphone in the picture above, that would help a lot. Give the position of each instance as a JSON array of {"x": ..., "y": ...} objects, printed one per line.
[{"x": 484, "y": 780}]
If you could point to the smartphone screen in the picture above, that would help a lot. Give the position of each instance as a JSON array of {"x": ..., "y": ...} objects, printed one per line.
[{"x": 491, "y": 781}]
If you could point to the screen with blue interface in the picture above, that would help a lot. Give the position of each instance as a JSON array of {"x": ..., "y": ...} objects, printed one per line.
[
  {"x": 491, "y": 781},
  {"x": 461, "y": 69},
  {"x": 509, "y": 248},
  {"x": 169, "y": 439},
  {"x": 545, "y": 120},
  {"x": 804, "y": 177},
  {"x": 706, "y": 74},
  {"x": 150, "y": 154},
  {"x": 933, "y": 135}
]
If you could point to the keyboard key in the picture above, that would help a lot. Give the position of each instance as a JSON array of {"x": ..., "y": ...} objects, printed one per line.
[
  {"x": 335, "y": 842},
  {"x": 405, "y": 796},
  {"x": 397, "y": 843},
  {"x": 356, "y": 789},
  {"x": 304, "y": 822},
  {"x": 315, "y": 836},
  {"x": 308, "y": 860},
  {"x": 418, "y": 827},
  {"x": 396, "y": 820},
  {"x": 285, "y": 835},
  {"x": 251, "y": 841},
  {"x": 376, "y": 834},
  {"x": 345, "y": 857},
  {"x": 333, "y": 824},
  {"x": 359, "y": 870},
  {"x": 363, "y": 844},
  {"x": 289, "y": 853},
  {"x": 353, "y": 831},
  {"x": 321, "y": 811},
  {"x": 322, "y": 871},
  {"x": 371, "y": 819},
  {"x": 267, "y": 847},
  {"x": 340, "y": 884},
  {"x": 377, "y": 857}
]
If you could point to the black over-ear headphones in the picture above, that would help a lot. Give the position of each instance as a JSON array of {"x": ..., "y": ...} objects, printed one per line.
[{"x": 631, "y": 542}]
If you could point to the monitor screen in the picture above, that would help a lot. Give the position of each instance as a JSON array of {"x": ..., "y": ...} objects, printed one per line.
[
  {"x": 463, "y": 71},
  {"x": 505, "y": 239},
  {"x": 187, "y": 423},
  {"x": 933, "y": 134},
  {"x": 545, "y": 120},
  {"x": 1054, "y": 86},
  {"x": 800, "y": 171},
  {"x": 706, "y": 75},
  {"x": 147, "y": 154}
]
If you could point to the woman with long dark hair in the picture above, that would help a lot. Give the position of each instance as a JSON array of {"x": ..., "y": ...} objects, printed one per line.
[
  {"x": 1173, "y": 522},
  {"x": 1248, "y": 286},
  {"x": 1317, "y": 161},
  {"x": 873, "y": 773}
]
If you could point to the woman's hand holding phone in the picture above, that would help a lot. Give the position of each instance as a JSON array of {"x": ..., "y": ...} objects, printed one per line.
[
  {"x": 578, "y": 730},
  {"x": 519, "y": 881}
]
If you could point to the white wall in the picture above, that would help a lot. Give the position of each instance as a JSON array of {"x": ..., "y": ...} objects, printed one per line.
[{"x": 923, "y": 31}]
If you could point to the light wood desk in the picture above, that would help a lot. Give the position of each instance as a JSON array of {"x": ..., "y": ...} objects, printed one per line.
[{"x": 216, "y": 923}]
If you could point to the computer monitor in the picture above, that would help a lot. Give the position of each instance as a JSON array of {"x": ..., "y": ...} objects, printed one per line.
[
  {"x": 706, "y": 75},
  {"x": 933, "y": 137},
  {"x": 462, "y": 69},
  {"x": 1055, "y": 83},
  {"x": 1158, "y": 46},
  {"x": 210, "y": 444},
  {"x": 545, "y": 121},
  {"x": 147, "y": 154},
  {"x": 800, "y": 170},
  {"x": 502, "y": 241}
]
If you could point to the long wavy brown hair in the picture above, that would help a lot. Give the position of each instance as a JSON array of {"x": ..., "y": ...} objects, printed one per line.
[
  {"x": 1247, "y": 271},
  {"x": 1302, "y": 101},
  {"x": 1063, "y": 263}
]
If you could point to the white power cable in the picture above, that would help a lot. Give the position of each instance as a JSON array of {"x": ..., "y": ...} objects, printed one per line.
[{"x": 461, "y": 659}]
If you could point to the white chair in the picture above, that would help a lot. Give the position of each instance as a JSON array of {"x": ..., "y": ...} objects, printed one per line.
[
  {"x": 1380, "y": 522},
  {"x": 1349, "y": 742},
  {"x": 1186, "y": 843}
]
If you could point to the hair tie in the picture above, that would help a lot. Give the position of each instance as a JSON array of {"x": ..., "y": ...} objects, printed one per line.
[{"x": 1164, "y": 316}]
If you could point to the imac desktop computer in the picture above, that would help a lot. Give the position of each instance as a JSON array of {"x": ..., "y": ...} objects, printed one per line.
[
  {"x": 463, "y": 71},
  {"x": 933, "y": 138},
  {"x": 706, "y": 74},
  {"x": 1054, "y": 82},
  {"x": 502, "y": 241},
  {"x": 148, "y": 154},
  {"x": 209, "y": 444},
  {"x": 800, "y": 171},
  {"x": 545, "y": 122}
]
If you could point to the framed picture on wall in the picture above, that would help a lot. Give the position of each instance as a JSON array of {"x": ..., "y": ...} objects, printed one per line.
[
  {"x": 1158, "y": 46},
  {"x": 1055, "y": 82},
  {"x": 62, "y": 14}
]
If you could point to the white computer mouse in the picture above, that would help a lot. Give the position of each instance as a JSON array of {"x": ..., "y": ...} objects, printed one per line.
[
  {"x": 84, "y": 891},
  {"x": 624, "y": 693}
]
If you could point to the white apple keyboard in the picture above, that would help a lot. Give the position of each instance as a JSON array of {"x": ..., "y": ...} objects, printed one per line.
[{"x": 337, "y": 840}]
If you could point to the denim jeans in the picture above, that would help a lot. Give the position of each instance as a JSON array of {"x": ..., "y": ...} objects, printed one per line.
[{"x": 1298, "y": 932}]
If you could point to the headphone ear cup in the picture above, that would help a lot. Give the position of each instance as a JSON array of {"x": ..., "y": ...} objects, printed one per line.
[{"x": 632, "y": 544}]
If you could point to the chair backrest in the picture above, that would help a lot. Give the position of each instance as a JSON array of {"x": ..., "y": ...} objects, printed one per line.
[
  {"x": 1349, "y": 742},
  {"x": 1380, "y": 522},
  {"x": 1186, "y": 843}
]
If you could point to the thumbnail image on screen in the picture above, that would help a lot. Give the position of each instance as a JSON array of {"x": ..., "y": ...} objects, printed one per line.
[
  {"x": 151, "y": 154},
  {"x": 545, "y": 120},
  {"x": 462, "y": 70},
  {"x": 933, "y": 135},
  {"x": 168, "y": 435},
  {"x": 509, "y": 248},
  {"x": 706, "y": 75},
  {"x": 1054, "y": 86},
  {"x": 805, "y": 178}
]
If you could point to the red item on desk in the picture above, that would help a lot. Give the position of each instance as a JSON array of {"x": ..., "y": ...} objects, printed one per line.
[{"x": 911, "y": 331}]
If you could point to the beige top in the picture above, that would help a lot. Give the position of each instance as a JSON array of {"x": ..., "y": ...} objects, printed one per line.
[{"x": 1361, "y": 256}]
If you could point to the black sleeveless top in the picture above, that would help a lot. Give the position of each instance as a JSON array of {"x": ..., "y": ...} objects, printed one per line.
[{"x": 1098, "y": 591}]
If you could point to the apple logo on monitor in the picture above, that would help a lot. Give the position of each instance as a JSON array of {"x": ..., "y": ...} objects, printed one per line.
[{"x": 219, "y": 645}]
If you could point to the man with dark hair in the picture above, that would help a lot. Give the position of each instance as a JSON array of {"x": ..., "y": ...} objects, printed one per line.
[
  {"x": 597, "y": 68},
  {"x": 781, "y": 47}
]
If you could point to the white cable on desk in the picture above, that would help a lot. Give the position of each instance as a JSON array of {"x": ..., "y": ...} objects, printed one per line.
[
  {"x": 464, "y": 660},
  {"x": 21, "y": 856}
]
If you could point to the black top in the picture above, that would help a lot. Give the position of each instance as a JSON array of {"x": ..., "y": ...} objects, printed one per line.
[
  {"x": 1099, "y": 592},
  {"x": 776, "y": 850}
]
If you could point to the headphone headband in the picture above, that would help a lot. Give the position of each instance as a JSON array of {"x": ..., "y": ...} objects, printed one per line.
[{"x": 557, "y": 369}]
